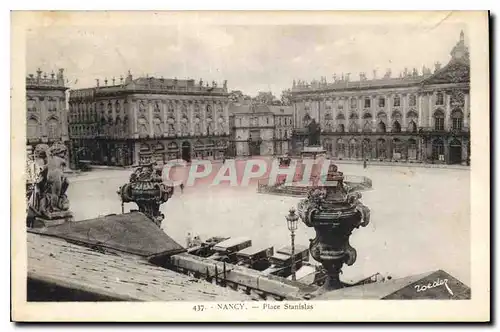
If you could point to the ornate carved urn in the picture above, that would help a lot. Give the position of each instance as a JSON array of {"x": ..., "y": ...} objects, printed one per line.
[
  {"x": 334, "y": 211},
  {"x": 146, "y": 189}
]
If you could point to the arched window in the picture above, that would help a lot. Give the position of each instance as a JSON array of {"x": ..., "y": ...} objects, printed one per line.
[
  {"x": 33, "y": 130},
  {"x": 381, "y": 148},
  {"x": 412, "y": 149},
  {"x": 381, "y": 127},
  {"x": 439, "y": 120},
  {"x": 353, "y": 127},
  {"x": 396, "y": 127},
  {"x": 53, "y": 128},
  {"x": 438, "y": 149},
  {"x": 340, "y": 116},
  {"x": 353, "y": 148},
  {"x": 412, "y": 127},
  {"x": 340, "y": 148},
  {"x": 439, "y": 98},
  {"x": 368, "y": 126},
  {"x": 397, "y": 145},
  {"x": 340, "y": 128},
  {"x": 397, "y": 101},
  {"x": 457, "y": 118},
  {"x": 366, "y": 148}
]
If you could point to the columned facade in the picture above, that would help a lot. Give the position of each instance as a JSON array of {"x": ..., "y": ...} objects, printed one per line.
[
  {"x": 417, "y": 117},
  {"x": 149, "y": 119}
]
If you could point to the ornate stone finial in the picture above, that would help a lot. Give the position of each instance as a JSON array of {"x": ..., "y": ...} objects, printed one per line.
[
  {"x": 97, "y": 82},
  {"x": 225, "y": 85},
  {"x": 462, "y": 36},
  {"x": 113, "y": 80},
  {"x": 121, "y": 79},
  {"x": 374, "y": 74},
  {"x": 45, "y": 75},
  {"x": 52, "y": 75},
  {"x": 39, "y": 73},
  {"x": 201, "y": 82},
  {"x": 406, "y": 72},
  {"x": 147, "y": 190},
  {"x": 415, "y": 72},
  {"x": 335, "y": 77},
  {"x": 105, "y": 81}
]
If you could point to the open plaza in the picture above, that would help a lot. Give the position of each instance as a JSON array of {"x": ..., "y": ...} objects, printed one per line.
[{"x": 416, "y": 218}]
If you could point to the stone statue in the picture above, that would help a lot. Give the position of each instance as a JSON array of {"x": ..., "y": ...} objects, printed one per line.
[
  {"x": 48, "y": 200},
  {"x": 314, "y": 133}
]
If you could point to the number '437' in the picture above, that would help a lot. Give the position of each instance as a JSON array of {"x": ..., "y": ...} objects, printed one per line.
[{"x": 199, "y": 307}]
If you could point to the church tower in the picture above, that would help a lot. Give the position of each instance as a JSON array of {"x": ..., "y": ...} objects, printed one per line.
[{"x": 460, "y": 51}]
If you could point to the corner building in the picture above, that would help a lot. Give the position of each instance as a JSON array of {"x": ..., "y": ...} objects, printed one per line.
[
  {"x": 260, "y": 129},
  {"x": 134, "y": 120},
  {"x": 46, "y": 113},
  {"x": 417, "y": 117}
]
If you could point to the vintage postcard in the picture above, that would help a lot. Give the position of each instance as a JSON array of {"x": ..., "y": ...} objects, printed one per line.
[{"x": 250, "y": 166}]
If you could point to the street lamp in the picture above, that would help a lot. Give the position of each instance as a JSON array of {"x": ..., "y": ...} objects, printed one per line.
[{"x": 291, "y": 221}]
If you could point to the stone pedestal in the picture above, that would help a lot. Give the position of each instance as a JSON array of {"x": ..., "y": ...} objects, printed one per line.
[{"x": 50, "y": 219}]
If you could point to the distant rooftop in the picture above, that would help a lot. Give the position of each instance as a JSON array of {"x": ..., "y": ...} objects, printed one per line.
[
  {"x": 44, "y": 80},
  {"x": 155, "y": 84}
]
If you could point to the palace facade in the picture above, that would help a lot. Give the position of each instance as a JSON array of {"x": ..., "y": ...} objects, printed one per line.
[
  {"x": 260, "y": 129},
  {"x": 416, "y": 117},
  {"x": 46, "y": 115},
  {"x": 134, "y": 120}
]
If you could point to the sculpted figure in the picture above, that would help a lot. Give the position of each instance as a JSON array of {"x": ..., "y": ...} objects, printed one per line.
[{"x": 49, "y": 195}]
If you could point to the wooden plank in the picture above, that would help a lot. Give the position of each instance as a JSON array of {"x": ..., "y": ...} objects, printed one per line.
[
  {"x": 124, "y": 277},
  {"x": 243, "y": 276}
]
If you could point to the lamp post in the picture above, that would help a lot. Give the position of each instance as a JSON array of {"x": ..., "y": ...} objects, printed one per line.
[{"x": 291, "y": 221}]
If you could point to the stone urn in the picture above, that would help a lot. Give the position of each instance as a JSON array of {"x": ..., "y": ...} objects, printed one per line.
[{"x": 334, "y": 212}]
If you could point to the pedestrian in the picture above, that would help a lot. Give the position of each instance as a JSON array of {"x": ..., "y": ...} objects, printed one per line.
[{"x": 182, "y": 187}]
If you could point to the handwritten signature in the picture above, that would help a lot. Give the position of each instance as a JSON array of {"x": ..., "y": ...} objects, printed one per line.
[{"x": 436, "y": 283}]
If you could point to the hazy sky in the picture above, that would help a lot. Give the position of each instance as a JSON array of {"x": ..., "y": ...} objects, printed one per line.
[{"x": 252, "y": 58}]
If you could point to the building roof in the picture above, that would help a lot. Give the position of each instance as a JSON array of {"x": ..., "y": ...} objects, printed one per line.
[
  {"x": 158, "y": 85},
  {"x": 456, "y": 71},
  {"x": 281, "y": 110},
  {"x": 119, "y": 277},
  {"x": 132, "y": 232}
]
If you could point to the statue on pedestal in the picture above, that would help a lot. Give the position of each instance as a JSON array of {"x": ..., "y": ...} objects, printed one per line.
[
  {"x": 47, "y": 200},
  {"x": 314, "y": 133}
]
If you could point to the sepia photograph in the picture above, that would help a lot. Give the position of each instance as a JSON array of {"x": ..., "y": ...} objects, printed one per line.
[{"x": 239, "y": 166}]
